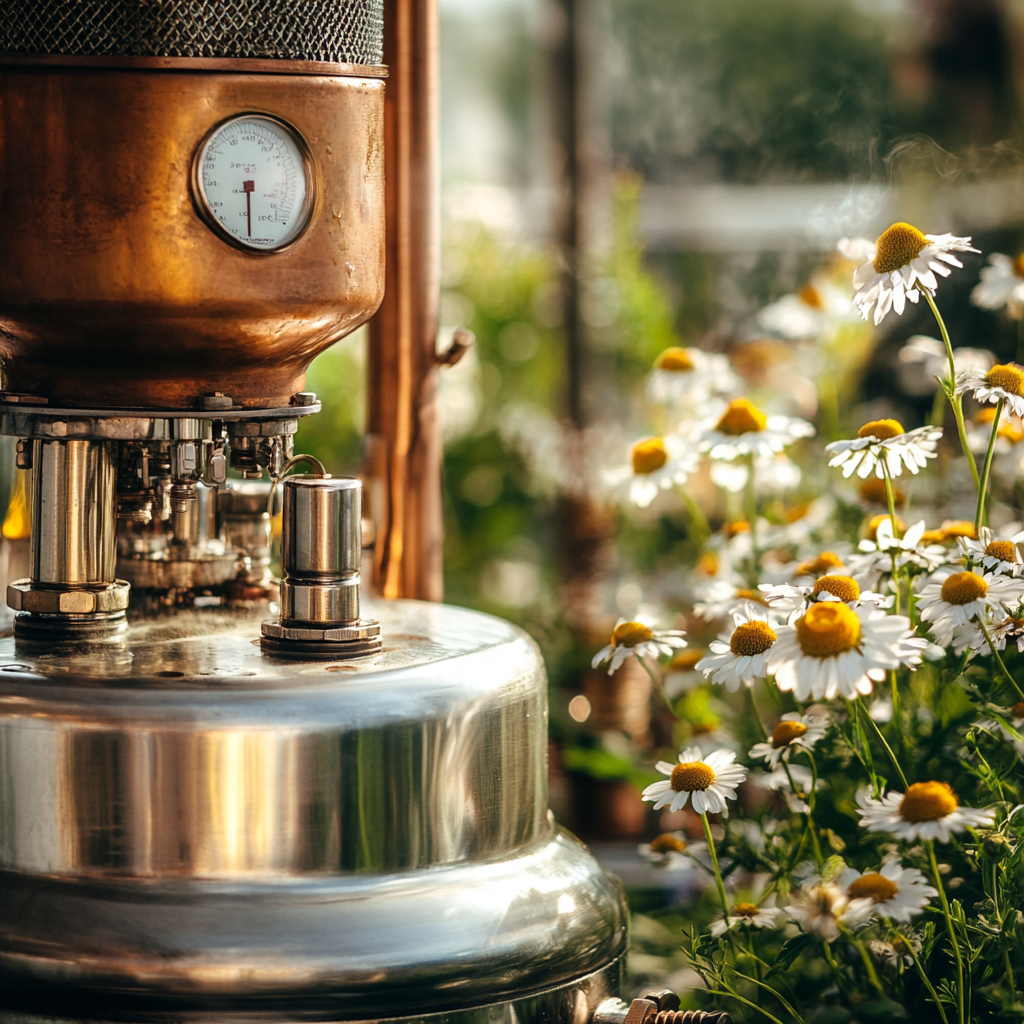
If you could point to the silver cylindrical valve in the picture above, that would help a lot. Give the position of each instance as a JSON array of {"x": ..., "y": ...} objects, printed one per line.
[{"x": 321, "y": 548}]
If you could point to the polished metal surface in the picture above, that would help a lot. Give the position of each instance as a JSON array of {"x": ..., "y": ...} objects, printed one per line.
[
  {"x": 74, "y": 518},
  {"x": 323, "y": 603},
  {"x": 121, "y": 292},
  {"x": 188, "y": 824},
  {"x": 320, "y": 527},
  {"x": 571, "y": 1003}
]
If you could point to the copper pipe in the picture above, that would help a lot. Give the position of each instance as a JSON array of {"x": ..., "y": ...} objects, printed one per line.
[{"x": 403, "y": 468}]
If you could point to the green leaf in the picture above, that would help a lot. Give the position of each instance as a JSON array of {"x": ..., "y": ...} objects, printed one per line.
[{"x": 791, "y": 949}]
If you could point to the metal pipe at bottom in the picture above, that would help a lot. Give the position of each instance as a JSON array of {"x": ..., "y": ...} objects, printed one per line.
[{"x": 74, "y": 513}]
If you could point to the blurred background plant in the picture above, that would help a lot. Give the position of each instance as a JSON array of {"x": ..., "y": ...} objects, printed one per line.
[{"x": 619, "y": 178}]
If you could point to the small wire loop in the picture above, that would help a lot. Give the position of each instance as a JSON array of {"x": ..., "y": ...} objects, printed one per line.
[{"x": 321, "y": 472}]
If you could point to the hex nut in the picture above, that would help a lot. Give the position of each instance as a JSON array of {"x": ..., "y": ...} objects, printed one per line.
[
  {"x": 304, "y": 398},
  {"x": 362, "y": 630},
  {"x": 216, "y": 401},
  {"x": 23, "y": 597}
]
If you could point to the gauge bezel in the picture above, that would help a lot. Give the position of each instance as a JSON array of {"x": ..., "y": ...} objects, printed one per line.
[{"x": 202, "y": 204}]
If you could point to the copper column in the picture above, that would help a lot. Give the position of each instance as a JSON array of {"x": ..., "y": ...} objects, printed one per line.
[{"x": 403, "y": 456}]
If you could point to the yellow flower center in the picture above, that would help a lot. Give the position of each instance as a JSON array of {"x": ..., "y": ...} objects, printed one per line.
[
  {"x": 873, "y": 491},
  {"x": 742, "y": 417},
  {"x": 1012, "y": 430},
  {"x": 785, "y": 732},
  {"x": 708, "y": 563},
  {"x": 685, "y": 660},
  {"x": 732, "y": 529},
  {"x": 827, "y": 629},
  {"x": 843, "y": 587},
  {"x": 745, "y": 910},
  {"x": 629, "y": 634},
  {"x": 1007, "y": 376},
  {"x": 1005, "y": 550},
  {"x": 927, "y": 801},
  {"x": 873, "y": 886},
  {"x": 963, "y": 588},
  {"x": 675, "y": 359},
  {"x": 820, "y": 565},
  {"x": 958, "y": 528},
  {"x": 750, "y": 638},
  {"x": 882, "y": 429},
  {"x": 810, "y": 296},
  {"x": 667, "y": 843},
  {"x": 897, "y": 246},
  {"x": 751, "y": 595},
  {"x": 932, "y": 537},
  {"x": 691, "y": 775},
  {"x": 649, "y": 455},
  {"x": 876, "y": 521}
]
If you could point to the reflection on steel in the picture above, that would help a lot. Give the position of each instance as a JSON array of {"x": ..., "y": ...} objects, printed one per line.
[
  {"x": 403, "y": 462},
  {"x": 118, "y": 293},
  {"x": 73, "y": 538},
  {"x": 209, "y": 826}
]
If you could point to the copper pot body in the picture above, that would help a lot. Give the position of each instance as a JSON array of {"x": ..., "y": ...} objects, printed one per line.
[{"x": 114, "y": 292}]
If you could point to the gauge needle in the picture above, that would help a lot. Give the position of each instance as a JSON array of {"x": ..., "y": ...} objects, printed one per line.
[{"x": 248, "y": 187}]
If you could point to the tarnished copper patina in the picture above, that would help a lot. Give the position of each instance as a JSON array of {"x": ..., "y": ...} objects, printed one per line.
[{"x": 113, "y": 290}]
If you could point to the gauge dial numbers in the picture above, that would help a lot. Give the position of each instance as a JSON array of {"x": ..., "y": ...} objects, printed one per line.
[{"x": 253, "y": 182}]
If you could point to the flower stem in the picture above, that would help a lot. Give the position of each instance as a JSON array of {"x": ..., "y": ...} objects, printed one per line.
[
  {"x": 885, "y": 743},
  {"x": 955, "y": 400},
  {"x": 714, "y": 864},
  {"x": 889, "y": 496},
  {"x": 979, "y": 515},
  {"x": 999, "y": 658},
  {"x": 961, "y": 1016},
  {"x": 866, "y": 759},
  {"x": 869, "y": 966},
  {"x": 657, "y": 685},
  {"x": 924, "y": 978}
]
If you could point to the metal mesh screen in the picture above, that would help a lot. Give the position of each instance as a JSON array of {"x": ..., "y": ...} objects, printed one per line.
[{"x": 348, "y": 31}]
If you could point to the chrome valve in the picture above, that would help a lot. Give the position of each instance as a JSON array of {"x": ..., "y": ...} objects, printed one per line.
[{"x": 321, "y": 530}]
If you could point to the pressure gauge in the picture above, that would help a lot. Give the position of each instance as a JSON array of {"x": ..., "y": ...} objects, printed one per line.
[{"x": 253, "y": 182}]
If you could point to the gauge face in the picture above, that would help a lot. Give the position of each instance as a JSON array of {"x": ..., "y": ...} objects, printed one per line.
[{"x": 253, "y": 182}]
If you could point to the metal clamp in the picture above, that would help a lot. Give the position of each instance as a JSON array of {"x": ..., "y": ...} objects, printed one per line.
[{"x": 658, "y": 1006}]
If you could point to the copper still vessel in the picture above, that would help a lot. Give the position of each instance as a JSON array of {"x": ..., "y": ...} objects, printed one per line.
[{"x": 225, "y": 796}]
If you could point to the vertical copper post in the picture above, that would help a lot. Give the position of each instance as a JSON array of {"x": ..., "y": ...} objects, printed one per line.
[{"x": 403, "y": 470}]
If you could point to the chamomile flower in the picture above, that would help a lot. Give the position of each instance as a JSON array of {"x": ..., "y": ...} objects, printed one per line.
[
  {"x": 634, "y": 639},
  {"x": 1009, "y": 433},
  {"x": 748, "y": 914},
  {"x": 895, "y": 892},
  {"x": 885, "y": 443},
  {"x": 1004, "y": 381},
  {"x": 951, "y": 598},
  {"x": 834, "y": 587},
  {"x": 876, "y": 557},
  {"x": 898, "y": 951},
  {"x": 655, "y": 464},
  {"x": 742, "y": 656},
  {"x": 1009, "y": 631},
  {"x": 999, "y": 556},
  {"x": 670, "y": 850},
  {"x": 820, "y": 909},
  {"x": 835, "y": 650},
  {"x": 718, "y": 598},
  {"x": 821, "y": 565},
  {"x": 690, "y": 375},
  {"x": 922, "y": 359},
  {"x": 706, "y": 781},
  {"x": 903, "y": 264},
  {"x": 1002, "y": 285},
  {"x": 928, "y": 810},
  {"x": 743, "y": 429},
  {"x": 807, "y": 313},
  {"x": 794, "y": 731}
]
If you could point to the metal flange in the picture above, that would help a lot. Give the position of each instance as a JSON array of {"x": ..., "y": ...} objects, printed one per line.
[{"x": 24, "y": 596}]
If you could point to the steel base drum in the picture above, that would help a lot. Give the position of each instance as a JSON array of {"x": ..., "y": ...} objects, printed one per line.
[{"x": 192, "y": 829}]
